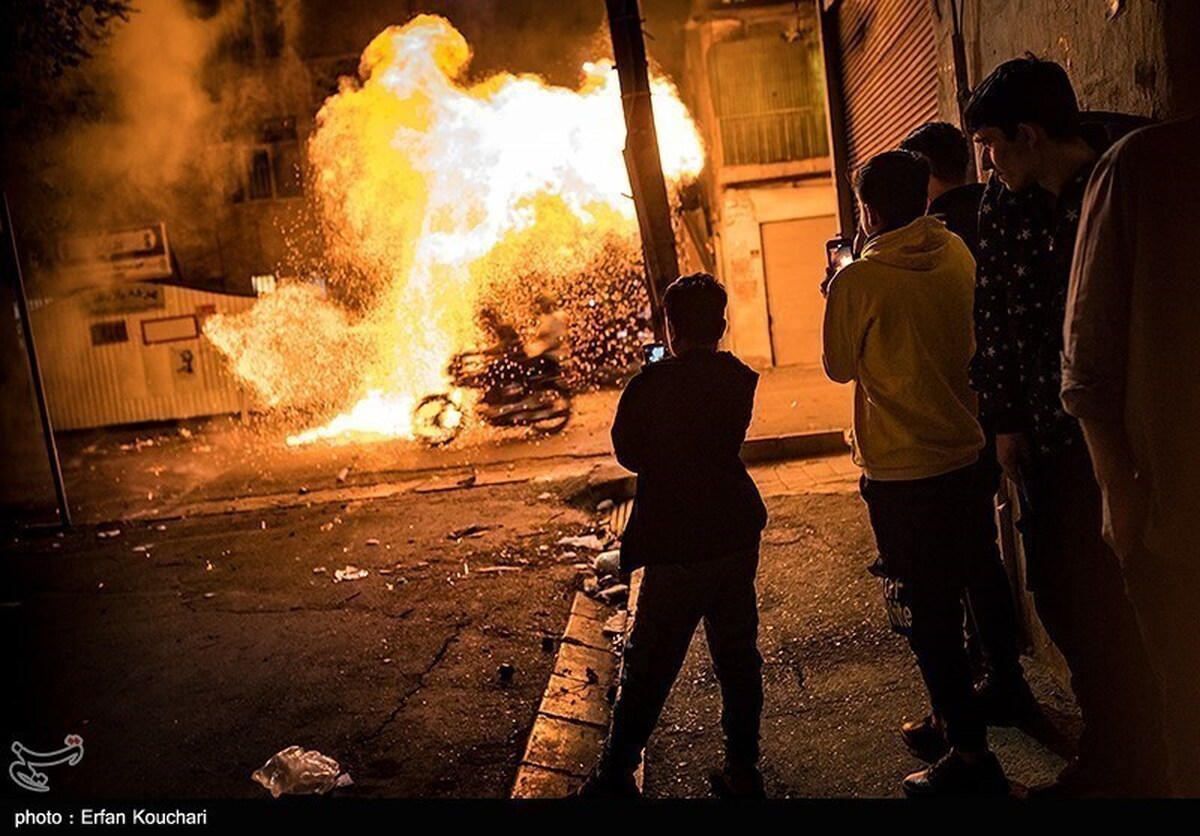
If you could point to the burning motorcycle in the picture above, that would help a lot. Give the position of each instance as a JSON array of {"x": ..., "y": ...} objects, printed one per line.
[{"x": 529, "y": 393}]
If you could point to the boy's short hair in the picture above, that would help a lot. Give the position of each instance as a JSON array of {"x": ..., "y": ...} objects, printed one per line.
[
  {"x": 695, "y": 306},
  {"x": 896, "y": 185},
  {"x": 1025, "y": 90},
  {"x": 944, "y": 147}
]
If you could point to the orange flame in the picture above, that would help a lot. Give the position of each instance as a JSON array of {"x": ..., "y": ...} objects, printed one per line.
[{"x": 420, "y": 180}]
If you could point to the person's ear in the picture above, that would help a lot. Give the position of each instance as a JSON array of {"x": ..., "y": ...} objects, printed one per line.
[
  {"x": 871, "y": 219},
  {"x": 1030, "y": 136}
]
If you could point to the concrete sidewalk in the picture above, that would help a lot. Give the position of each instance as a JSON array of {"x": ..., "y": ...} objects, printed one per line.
[
  {"x": 838, "y": 682},
  {"x": 799, "y": 399}
]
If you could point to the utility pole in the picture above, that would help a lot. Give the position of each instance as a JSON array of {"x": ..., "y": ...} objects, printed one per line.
[
  {"x": 35, "y": 370},
  {"x": 641, "y": 154}
]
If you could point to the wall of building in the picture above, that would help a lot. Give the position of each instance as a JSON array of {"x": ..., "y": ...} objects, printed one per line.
[
  {"x": 1117, "y": 62},
  {"x": 741, "y": 198},
  {"x": 742, "y": 260}
]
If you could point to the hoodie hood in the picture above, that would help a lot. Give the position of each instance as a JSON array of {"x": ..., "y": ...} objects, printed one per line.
[{"x": 921, "y": 246}]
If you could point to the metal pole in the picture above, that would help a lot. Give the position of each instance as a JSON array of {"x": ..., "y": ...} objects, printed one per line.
[
  {"x": 962, "y": 85},
  {"x": 642, "y": 159},
  {"x": 35, "y": 369},
  {"x": 835, "y": 110}
]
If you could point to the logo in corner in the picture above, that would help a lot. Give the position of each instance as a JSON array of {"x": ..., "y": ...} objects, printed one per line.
[{"x": 24, "y": 770}]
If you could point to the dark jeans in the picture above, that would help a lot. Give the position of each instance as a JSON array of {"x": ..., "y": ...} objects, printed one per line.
[
  {"x": 673, "y": 600},
  {"x": 1164, "y": 592},
  {"x": 1080, "y": 598},
  {"x": 930, "y": 533},
  {"x": 991, "y": 623}
]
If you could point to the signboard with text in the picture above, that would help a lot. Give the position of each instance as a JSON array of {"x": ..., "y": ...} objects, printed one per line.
[
  {"x": 130, "y": 254},
  {"x": 125, "y": 299}
]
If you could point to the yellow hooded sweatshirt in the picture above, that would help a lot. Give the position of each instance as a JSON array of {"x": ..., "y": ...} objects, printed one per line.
[{"x": 899, "y": 323}]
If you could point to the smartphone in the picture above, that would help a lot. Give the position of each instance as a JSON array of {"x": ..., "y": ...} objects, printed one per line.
[
  {"x": 653, "y": 352},
  {"x": 839, "y": 252}
]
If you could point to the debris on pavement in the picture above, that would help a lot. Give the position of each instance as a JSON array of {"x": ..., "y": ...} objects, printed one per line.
[
  {"x": 585, "y": 541},
  {"x": 108, "y": 535},
  {"x": 372, "y": 542},
  {"x": 545, "y": 495},
  {"x": 614, "y": 594},
  {"x": 506, "y": 672},
  {"x": 350, "y": 573},
  {"x": 299, "y": 771},
  {"x": 469, "y": 531},
  {"x": 498, "y": 569},
  {"x": 607, "y": 563},
  {"x": 319, "y": 570}
]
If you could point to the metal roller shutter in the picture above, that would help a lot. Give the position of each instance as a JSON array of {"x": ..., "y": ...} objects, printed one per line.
[{"x": 888, "y": 72}]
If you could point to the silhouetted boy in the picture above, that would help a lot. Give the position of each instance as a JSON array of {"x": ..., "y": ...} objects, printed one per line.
[{"x": 696, "y": 524}]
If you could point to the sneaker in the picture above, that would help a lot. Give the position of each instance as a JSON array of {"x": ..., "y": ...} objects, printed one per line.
[
  {"x": 925, "y": 738},
  {"x": 599, "y": 784},
  {"x": 953, "y": 777},
  {"x": 1006, "y": 701},
  {"x": 737, "y": 781}
]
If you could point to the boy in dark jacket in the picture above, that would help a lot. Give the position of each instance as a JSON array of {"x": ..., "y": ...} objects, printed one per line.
[{"x": 696, "y": 525}]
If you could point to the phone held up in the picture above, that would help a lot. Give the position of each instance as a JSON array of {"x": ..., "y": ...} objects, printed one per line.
[
  {"x": 653, "y": 352},
  {"x": 839, "y": 251}
]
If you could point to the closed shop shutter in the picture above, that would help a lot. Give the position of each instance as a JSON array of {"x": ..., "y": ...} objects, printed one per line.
[{"x": 888, "y": 72}]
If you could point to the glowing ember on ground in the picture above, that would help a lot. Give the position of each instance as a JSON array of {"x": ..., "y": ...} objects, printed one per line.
[{"x": 434, "y": 194}]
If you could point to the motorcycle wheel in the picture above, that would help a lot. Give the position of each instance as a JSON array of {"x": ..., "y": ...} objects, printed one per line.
[
  {"x": 437, "y": 420},
  {"x": 553, "y": 416}
]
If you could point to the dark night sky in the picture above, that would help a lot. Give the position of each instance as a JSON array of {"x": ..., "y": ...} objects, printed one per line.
[{"x": 541, "y": 36}]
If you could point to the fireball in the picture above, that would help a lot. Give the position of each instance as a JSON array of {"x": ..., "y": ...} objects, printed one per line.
[{"x": 433, "y": 192}]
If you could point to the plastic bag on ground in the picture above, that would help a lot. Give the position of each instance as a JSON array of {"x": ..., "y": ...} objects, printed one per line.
[{"x": 299, "y": 771}]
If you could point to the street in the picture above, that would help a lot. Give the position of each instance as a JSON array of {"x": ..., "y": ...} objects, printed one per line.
[{"x": 187, "y": 652}]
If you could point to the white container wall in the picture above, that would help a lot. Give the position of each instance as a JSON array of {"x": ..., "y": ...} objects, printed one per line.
[{"x": 131, "y": 353}]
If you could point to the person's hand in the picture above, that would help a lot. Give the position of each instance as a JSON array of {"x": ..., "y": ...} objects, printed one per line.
[
  {"x": 830, "y": 272},
  {"x": 1126, "y": 503},
  {"x": 1012, "y": 452}
]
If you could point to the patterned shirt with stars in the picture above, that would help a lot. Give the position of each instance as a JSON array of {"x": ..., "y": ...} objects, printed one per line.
[{"x": 1026, "y": 241}]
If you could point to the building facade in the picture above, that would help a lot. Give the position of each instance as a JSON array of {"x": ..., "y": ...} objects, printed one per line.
[{"x": 765, "y": 209}]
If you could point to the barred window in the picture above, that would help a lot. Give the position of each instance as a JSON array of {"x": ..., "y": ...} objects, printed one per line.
[
  {"x": 769, "y": 99},
  {"x": 106, "y": 333}
]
